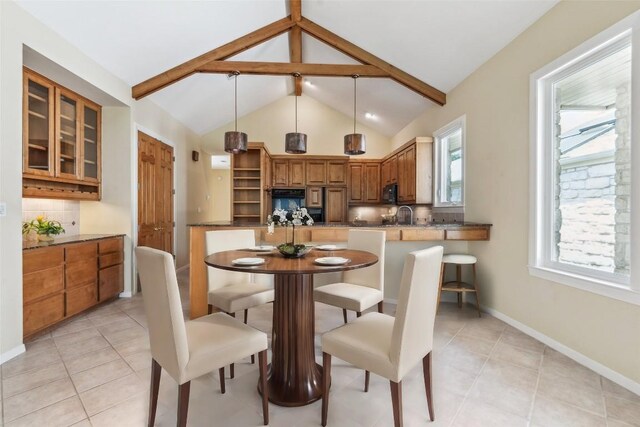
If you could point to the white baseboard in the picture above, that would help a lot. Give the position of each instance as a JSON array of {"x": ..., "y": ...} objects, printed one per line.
[
  {"x": 8, "y": 355},
  {"x": 125, "y": 294},
  {"x": 606, "y": 372},
  {"x": 391, "y": 301},
  {"x": 184, "y": 267}
]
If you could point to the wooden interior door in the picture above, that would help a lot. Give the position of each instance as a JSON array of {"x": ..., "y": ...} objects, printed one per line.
[{"x": 155, "y": 193}]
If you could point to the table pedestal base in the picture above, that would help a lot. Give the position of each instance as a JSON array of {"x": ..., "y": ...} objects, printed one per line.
[{"x": 295, "y": 379}]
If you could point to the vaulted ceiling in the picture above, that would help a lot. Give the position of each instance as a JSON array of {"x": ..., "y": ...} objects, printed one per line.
[{"x": 439, "y": 42}]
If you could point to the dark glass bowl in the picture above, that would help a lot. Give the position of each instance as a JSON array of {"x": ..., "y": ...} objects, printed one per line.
[{"x": 293, "y": 251}]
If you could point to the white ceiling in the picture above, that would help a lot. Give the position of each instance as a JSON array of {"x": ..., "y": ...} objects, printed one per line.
[{"x": 439, "y": 42}]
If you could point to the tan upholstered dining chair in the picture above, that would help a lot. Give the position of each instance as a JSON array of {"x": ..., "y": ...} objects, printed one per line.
[
  {"x": 232, "y": 291},
  {"x": 188, "y": 350},
  {"x": 361, "y": 288},
  {"x": 391, "y": 347}
]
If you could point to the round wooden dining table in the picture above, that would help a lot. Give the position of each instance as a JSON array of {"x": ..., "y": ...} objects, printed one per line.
[{"x": 295, "y": 379}]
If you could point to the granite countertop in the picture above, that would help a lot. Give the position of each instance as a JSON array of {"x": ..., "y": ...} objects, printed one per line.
[
  {"x": 433, "y": 225},
  {"x": 27, "y": 245}
]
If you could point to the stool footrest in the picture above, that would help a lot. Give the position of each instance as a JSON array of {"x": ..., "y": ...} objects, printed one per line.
[{"x": 458, "y": 287}]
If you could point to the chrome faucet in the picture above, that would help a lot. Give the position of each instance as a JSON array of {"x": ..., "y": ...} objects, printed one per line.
[{"x": 410, "y": 211}]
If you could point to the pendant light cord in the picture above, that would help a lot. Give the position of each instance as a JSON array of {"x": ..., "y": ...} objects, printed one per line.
[
  {"x": 296, "y": 114},
  {"x": 236, "y": 99},
  {"x": 355, "y": 94}
]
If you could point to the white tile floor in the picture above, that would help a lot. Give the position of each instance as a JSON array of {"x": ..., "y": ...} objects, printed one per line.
[{"x": 94, "y": 371}]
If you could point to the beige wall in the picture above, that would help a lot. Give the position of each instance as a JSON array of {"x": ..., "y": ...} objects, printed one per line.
[
  {"x": 219, "y": 192},
  {"x": 116, "y": 212},
  {"x": 495, "y": 99},
  {"x": 324, "y": 126}
]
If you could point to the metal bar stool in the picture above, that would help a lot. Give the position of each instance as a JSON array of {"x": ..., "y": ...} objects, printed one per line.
[{"x": 458, "y": 285}]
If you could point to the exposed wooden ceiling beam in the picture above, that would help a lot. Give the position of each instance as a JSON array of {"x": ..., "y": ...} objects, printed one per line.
[
  {"x": 365, "y": 57},
  {"x": 295, "y": 55},
  {"x": 295, "y": 10},
  {"x": 223, "y": 52},
  {"x": 286, "y": 68}
]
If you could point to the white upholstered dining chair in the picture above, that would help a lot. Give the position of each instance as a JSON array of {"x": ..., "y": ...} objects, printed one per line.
[
  {"x": 361, "y": 288},
  {"x": 391, "y": 347},
  {"x": 232, "y": 291},
  {"x": 188, "y": 350}
]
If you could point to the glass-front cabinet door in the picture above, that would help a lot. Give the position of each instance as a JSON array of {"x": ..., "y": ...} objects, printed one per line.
[
  {"x": 91, "y": 142},
  {"x": 68, "y": 150},
  {"x": 38, "y": 123}
]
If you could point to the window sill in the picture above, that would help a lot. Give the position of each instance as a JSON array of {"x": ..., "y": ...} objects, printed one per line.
[{"x": 589, "y": 284}]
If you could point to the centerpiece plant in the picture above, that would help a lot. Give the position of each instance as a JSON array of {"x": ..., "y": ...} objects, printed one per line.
[
  {"x": 43, "y": 227},
  {"x": 286, "y": 218}
]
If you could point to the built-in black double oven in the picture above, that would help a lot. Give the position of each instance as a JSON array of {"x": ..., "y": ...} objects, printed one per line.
[{"x": 294, "y": 198}]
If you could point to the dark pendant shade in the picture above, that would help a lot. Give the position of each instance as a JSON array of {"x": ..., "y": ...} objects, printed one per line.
[
  {"x": 235, "y": 142},
  {"x": 354, "y": 144},
  {"x": 295, "y": 143}
]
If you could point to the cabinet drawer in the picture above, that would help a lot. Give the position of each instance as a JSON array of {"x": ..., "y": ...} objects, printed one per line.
[
  {"x": 41, "y": 283},
  {"x": 81, "y": 298},
  {"x": 81, "y": 251},
  {"x": 43, "y": 313},
  {"x": 422, "y": 235},
  {"x": 478, "y": 234},
  {"x": 42, "y": 259},
  {"x": 111, "y": 282},
  {"x": 111, "y": 259},
  {"x": 110, "y": 245},
  {"x": 329, "y": 235},
  {"x": 81, "y": 273}
]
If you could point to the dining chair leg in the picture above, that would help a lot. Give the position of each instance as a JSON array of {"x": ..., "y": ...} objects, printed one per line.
[
  {"x": 426, "y": 370},
  {"x": 246, "y": 317},
  {"x": 396, "y": 399},
  {"x": 358, "y": 313},
  {"x": 367, "y": 374},
  {"x": 221, "y": 374},
  {"x": 380, "y": 307},
  {"x": 326, "y": 380},
  {"x": 232, "y": 371},
  {"x": 156, "y": 370},
  {"x": 344, "y": 315},
  {"x": 440, "y": 286},
  {"x": 262, "y": 361},
  {"x": 209, "y": 309},
  {"x": 183, "y": 403},
  {"x": 475, "y": 286}
]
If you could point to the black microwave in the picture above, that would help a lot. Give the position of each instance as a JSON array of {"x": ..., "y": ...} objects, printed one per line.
[{"x": 390, "y": 194}]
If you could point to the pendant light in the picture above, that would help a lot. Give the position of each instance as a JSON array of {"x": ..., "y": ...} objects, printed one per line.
[
  {"x": 354, "y": 143},
  {"x": 235, "y": 142},
  {"x": 294, "y": 142}
]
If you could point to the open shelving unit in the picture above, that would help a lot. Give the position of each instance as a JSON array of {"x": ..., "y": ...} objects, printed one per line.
[{"x": 248, "y": 185}]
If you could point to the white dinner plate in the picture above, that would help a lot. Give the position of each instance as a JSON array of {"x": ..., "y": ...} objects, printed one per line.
[
  {"x": 248, "y": 261},
  {"x": 332, "y": 260},
  {"x": 328, "y": 247},
  {"x": 263, "y": 248}
]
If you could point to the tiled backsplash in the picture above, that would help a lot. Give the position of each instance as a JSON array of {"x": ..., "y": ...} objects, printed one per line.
[
  {"x": 372, "y": 214},
  {"x": 65, "y": 211}
]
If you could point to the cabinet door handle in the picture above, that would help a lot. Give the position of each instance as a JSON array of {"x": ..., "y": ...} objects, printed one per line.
[{"x": 157, "y": 228}]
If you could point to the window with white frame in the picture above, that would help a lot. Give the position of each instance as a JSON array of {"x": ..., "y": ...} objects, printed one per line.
[
  {"x": 582, "y": 191},
  {"x": 449, "y": 164}
]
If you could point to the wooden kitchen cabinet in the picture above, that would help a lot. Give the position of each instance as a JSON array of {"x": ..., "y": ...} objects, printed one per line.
[
  {"x": 250, "y": 172},
  {"x": 407, "y": 175},
  {"x": 110, "y": 263},
  {"x": 415, "y": 172},
  {"x": 364, "y": 182},
  {"x": 389, "y": 171},
  {"x": 316, "y": 172},
  {"x": 336, "y": 172},
  {"x": 61, "y": 141},
  {"x": 297, "y": 173},
  {"x": 63, "y": 280},
  {"x": 314, "y": 197},
  {"x": 280, "y": 171},
  {"x": 336, "y": 205}
]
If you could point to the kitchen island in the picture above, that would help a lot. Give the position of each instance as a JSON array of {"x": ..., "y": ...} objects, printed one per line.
[{"x": 411, "y": 235}]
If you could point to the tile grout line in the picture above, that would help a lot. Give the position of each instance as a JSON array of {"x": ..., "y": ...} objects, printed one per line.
[
  {"x": 464, "y": 400},
  {"x": 535, "y": 392}
]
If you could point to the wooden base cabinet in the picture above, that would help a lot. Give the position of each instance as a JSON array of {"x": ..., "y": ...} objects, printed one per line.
[{"x": 61, "y": 281}]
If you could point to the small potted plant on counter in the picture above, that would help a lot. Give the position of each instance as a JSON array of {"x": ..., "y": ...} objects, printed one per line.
[
  {"x": 284, "y": 218},
  {"x": 43, "y": 228}
]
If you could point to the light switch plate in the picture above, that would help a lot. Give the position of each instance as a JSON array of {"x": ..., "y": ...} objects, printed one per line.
[{"x": 3, "y": 209}]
